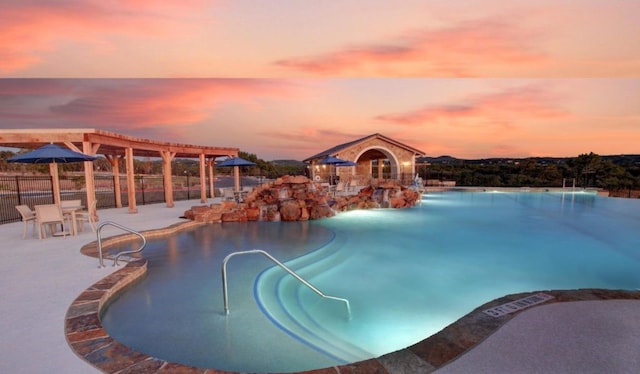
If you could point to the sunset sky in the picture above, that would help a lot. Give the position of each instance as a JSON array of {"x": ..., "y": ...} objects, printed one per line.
[{"x": 286, "y": 79}]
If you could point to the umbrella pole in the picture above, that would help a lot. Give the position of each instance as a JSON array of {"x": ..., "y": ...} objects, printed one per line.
[
  {"x": 55, "y": 180},
  {"x": 236, "y": 178}
]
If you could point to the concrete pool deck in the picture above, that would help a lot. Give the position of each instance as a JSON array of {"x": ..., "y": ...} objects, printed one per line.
[{"x": 41, "y": 279}]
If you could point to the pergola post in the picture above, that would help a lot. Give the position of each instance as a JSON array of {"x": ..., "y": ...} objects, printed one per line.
[
  {"x": 167, "y": 157},
  {"x": 131, "y": 183},
  {"x": 203, "y": 178},
  {"x": 212, "y": 191},
  {"x": 114, "y": 160},
  {"x": 89, "y": 178}
]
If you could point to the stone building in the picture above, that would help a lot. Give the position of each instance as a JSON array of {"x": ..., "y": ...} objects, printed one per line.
[{"x": 376, "y": 157}]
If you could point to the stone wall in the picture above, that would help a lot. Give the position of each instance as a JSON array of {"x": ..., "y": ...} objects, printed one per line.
[{"x": 297, "y": 198}]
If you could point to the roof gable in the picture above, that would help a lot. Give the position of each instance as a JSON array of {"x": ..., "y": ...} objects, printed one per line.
[{"x": 341, "y": 147}]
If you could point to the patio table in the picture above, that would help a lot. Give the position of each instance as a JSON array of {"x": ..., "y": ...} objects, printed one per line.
[{"x": 71, "y": 212}]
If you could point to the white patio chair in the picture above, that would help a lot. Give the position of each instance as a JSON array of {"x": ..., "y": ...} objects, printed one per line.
[
  {"x": 354, "y": 186},
  {"x": 28, "y": 215},
  {"x": 340, "y": 189},
  {"x": 87, "y": 216},
  {"x": 70, "y": 203},
  {"x": 49, "y": 215},
  {"x": 228, "y": 194},
  {"x": 68, "y": 208}
]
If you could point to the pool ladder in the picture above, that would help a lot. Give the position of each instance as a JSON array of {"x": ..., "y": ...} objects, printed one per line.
[
  {"x": 283, "y": 266},
  {"x": 115, "y": 260}
]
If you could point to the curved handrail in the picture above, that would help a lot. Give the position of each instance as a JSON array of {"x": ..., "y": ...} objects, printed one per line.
[
  {"x": 115, "y": 260},
  {"x": 283, "y": 266}
]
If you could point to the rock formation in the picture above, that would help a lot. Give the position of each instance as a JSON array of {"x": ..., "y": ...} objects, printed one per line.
[{"x": 297, "y": 198}]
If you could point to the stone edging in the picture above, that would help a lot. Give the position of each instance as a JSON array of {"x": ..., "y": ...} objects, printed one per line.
[{"x": 88, "y": 339}]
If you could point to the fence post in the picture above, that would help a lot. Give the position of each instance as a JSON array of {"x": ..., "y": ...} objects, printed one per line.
[
  {"x": 142, "y": 188},
  {"x": 18, "y": 191},
  {"x": 113, "y": 183},
  {"x": 188, "y": 188}
]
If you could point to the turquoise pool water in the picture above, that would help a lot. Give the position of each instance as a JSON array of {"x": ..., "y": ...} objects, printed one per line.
[{"x": 406, "y": 273}]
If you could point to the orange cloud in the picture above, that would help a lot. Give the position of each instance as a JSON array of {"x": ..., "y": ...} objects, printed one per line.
[
  {"x": 464, "y": 49},
  {"x": 501, "y": 109},
  {"x": 29, "y": 29}
]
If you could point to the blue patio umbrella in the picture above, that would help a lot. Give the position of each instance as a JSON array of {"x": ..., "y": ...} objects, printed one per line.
[
  {"x": 52, "y": 154},
  {"x": 236, "y": 162},
  {"x": 331, "y": 160},
  {"x": 346, "y": 163}
]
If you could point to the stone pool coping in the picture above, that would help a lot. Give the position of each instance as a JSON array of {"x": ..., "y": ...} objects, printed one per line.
[{"x": 91, "y": 342}]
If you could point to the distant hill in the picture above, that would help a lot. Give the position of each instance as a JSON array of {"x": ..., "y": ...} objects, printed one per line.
[
  {"x": 440, "y": 160},
  {"x": 623, "y": 160},
  {"x": 288, "y": 163}
]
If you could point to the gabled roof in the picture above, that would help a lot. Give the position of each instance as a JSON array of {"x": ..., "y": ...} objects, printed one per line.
[{"x": 338, "y": 148}]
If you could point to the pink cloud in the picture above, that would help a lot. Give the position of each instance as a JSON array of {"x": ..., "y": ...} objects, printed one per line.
[
  {"x": 127, "y": 105},
  {"x": 150, "y": 102},
  {"x": 31, "y": 29},
  {"x": 464, "y": 49},
  {"x": 308, "y": 138},
  {"x": 303, "y": 144},
  {"x": 502, "y": 109}
]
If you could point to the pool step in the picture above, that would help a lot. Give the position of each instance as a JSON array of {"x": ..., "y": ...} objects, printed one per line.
[{"x": 314, "y": 321}]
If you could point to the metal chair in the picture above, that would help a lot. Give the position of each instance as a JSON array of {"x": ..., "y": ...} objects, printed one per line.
[{"x": 28, "y": 215}]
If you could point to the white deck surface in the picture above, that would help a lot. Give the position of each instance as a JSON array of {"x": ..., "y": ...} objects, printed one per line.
[
  {"x": 40, "y": 278},
  {"x": 570, "y": 337}
]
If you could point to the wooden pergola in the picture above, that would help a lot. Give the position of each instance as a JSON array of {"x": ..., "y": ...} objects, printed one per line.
[{"x": 116, "y": 147}]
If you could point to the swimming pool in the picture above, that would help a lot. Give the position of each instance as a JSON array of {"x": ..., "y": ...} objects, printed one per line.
[{"x": 407, "y": 274}]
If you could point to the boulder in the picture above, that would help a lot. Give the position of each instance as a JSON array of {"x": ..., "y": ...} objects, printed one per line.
[
  {"x": 253, "y": 214},
  {"x": 298, "y": 179},
  {"x": 290, "y": 211},
  {"x": 321, "y": 211},
  {"x": 235, "y": 216},
  {"x": 397, "y": 202},
  {"x": 297, "y": 198}
]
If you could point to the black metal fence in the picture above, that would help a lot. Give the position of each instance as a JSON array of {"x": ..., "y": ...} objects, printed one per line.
[{"x": 36, "y": 190}]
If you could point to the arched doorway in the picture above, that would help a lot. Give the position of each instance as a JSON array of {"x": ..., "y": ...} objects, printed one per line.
[{"x": 378, "y": 163}]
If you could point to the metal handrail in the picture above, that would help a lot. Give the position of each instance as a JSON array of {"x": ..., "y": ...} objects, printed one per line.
[
  {"x": 283, "y": 266},
  {"x": 115, "y": 260}
]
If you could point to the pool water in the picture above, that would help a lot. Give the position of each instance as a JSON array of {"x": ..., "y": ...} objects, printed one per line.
[{"x": 406, "y": 273}]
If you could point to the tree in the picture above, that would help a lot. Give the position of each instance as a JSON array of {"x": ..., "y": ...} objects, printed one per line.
[{"x": 586, "y": 168}]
